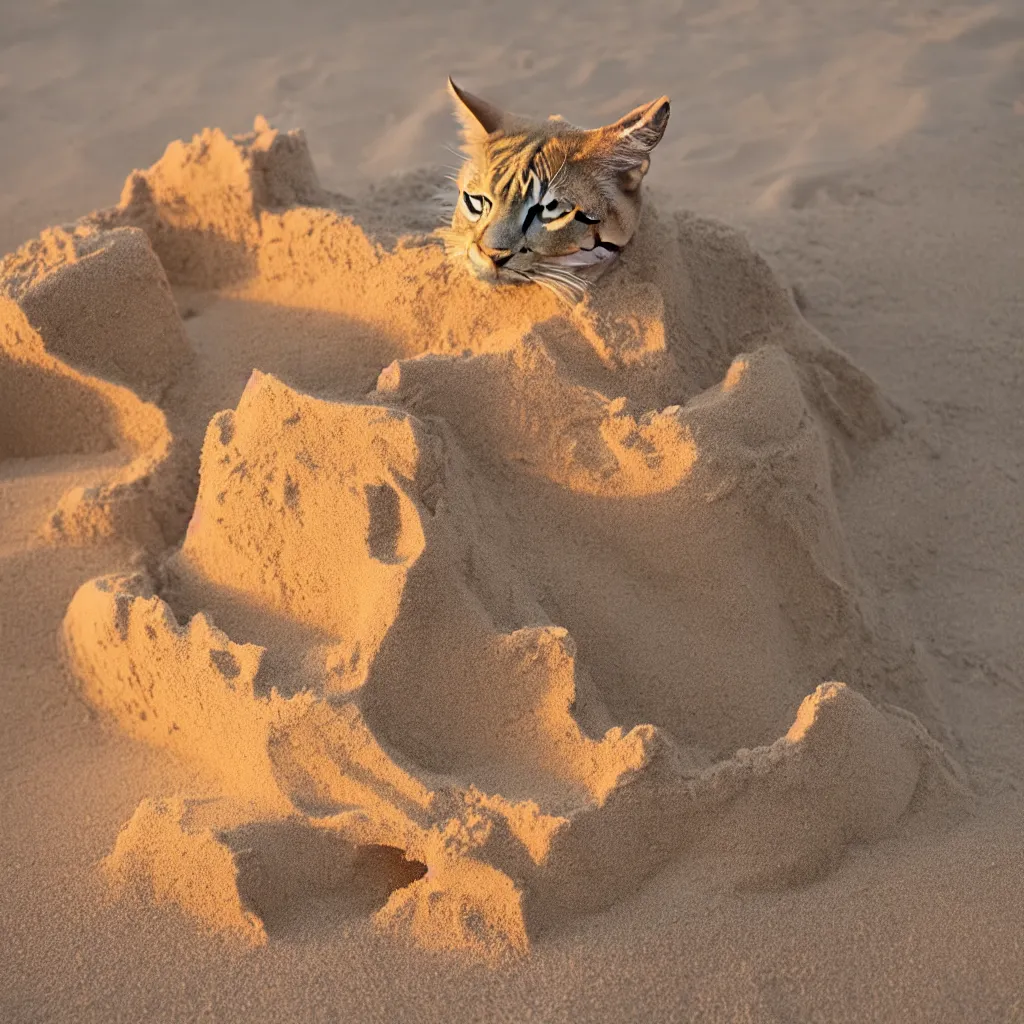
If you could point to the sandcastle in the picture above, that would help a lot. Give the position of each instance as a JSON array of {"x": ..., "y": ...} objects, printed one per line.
[{"x": 562, "y": 599}]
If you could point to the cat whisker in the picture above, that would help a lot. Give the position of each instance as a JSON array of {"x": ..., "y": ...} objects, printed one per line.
[
  {"x": 556, "y": 289},
  {"x": 566, "y": 286},
  {"x": 566, "y": 277},
  {"x": 554, "y": 271},
  {"x": 566, "y": 294}
]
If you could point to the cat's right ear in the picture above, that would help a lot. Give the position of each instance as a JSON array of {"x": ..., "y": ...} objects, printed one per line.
[{"x": 477, "y": 117}]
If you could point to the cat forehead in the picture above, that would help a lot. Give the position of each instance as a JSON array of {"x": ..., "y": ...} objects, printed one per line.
[{"x": 512, "y": 166}]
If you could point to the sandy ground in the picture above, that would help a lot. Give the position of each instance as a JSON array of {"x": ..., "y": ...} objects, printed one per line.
[{"x": 874, "y": 154}]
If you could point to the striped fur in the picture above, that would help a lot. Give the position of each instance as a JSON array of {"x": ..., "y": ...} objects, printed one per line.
[{"x": 546, "y": 201}]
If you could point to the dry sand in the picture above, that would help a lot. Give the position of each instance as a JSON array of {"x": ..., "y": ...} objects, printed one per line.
[{"x": 382, "y": 647}]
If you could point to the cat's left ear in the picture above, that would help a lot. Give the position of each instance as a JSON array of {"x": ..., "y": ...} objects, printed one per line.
[
  {"x": 478, "y": 117},
  {"x": 642, "y": 128},
  {"x": 632, "y": 138}
]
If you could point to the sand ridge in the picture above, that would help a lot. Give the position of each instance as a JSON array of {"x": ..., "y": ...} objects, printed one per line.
[{"x": 559, "y": 601}]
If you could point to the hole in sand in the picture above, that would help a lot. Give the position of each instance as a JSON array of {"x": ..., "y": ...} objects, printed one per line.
[
  {"x": 385, "y": 522},
  {"x": 298, "y": 877}
]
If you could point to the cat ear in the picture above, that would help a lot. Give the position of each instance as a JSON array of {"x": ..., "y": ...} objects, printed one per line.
[
  {"x": 477, "y": 116},
  {"x": 641, "y": 129},
  {"x": 629, "y": 140}
]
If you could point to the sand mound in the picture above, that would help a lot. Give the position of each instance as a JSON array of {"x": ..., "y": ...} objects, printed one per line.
[
  {"x": 551, "y": 606},
  {"x": 90, "y": 341},
  {"x": 100, "y": 301}
]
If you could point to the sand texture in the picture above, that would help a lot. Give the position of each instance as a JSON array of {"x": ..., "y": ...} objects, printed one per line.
[{"x": 471, "y": 644}]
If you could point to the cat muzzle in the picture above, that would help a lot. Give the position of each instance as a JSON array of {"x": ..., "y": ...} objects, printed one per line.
[{"x": 487, "y": 262}]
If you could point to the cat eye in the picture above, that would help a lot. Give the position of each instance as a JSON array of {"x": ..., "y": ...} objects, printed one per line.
[
  {"x": 584, "y": 218},
  {"x": 474, "y": 205}
]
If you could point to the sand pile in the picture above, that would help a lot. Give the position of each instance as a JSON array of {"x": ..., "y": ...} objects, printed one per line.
[
  {"x": 560, "y": 600},
  {"x": 90, "y": 341}
]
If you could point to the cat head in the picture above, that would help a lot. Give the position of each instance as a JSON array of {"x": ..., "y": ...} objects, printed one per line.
[{"x": 547, "y": 201}]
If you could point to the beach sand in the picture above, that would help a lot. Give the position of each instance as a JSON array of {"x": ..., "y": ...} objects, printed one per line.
[{"x": 380, "y": 646}]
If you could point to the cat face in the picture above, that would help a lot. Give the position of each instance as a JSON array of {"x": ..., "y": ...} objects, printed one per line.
[{"x": 546, "y": 201}]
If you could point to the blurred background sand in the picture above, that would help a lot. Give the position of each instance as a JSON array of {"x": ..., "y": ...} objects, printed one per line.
[{"x": 761, "y": 91}]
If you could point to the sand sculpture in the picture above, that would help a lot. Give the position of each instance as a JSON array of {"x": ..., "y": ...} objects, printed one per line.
[{"x": 560, "y": 599}]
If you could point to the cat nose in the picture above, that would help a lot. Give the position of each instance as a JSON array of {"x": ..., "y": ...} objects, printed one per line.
[
  {"x": 499, "y": 257},
  {"x": 489, "y": 259}
]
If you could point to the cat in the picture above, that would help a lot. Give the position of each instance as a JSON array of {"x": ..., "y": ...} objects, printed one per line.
[{"x": 547, "y": 202}]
